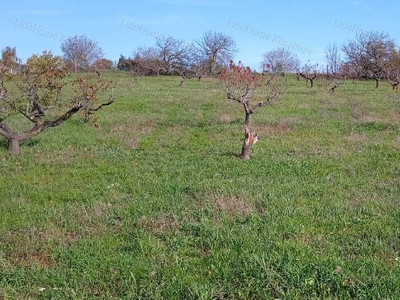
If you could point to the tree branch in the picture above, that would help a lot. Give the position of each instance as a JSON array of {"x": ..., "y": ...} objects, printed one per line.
[
  {"x": 101, "y": 105},
  {"x": 14, "y": 107}
]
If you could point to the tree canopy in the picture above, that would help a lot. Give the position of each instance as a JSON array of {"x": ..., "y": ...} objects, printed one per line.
[
  {"x": 41, "y": 100},
  {"x": 81, "y": 52}
]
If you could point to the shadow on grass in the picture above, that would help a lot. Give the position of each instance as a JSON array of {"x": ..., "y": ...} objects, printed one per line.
[
  {"x": 3, "y": 145},
  {"x": 29, "y": 143},
  {"x": 231, "y": 154},
  {"x": 191, "y": 123}
]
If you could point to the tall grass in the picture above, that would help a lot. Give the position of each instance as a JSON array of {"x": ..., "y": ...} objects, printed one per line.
[{"x": 156, "y": 204}]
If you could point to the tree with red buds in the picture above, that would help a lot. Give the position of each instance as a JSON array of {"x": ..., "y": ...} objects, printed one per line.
[{"x": 240, "y": 85}]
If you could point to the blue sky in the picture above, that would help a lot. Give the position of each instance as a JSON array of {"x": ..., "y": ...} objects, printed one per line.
[{"x": 305, "y": 27}]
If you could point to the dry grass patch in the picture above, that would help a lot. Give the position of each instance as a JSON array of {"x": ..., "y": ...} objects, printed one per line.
[
  {"x": 275, "y": 129},
  {"x": 396, "y": 143},
  {"x": 313, "y": 241},
  {"x": 363, "y": 114},
  {"x": 217, "y": 207},
  {"x": 31, "y": 246},
  {"x": 65, "y": 156},
  {"x": 232, "y": 206},
  {"x": 357, "y": 138},
  {"x": 96, "y": 220},
  {"x": 131, "y": 134},
  {"x": 159, "y": 225},
  {"x": 225, "y": 118}
]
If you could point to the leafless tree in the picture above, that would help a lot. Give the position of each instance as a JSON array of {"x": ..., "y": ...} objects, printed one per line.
[
  {"x": 189, "y": 74},
  {"x": 215, "y": 49},
  {"x": 81, "y": 52},
  {"x": 348, "y": 70},
  {"x": 391, "y": 69},
  {"x": 333, "y": 60},
  {"x": 368, "y": 52},
  {"x": 149, "y": 59},
  {"x": 309, "y": 72},
  {"x": 174, "y": 53},
  {"x": 196, "y": 67},
  {"x": 280, "y": 61}
]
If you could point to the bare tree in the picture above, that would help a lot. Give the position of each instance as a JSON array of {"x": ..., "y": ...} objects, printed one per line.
[
  {"x": 240, "y": 86},
  {"x": 174, "y": 53},
  {"x": 149, "y": 59},
  {"x": 280, "y": 61},
  {"x": 189, "y": 74},
  {"x": 391, "y": 69},
  {"x": 41, "y": 98},
  {"x": 198, "y": 63},
  {"x": 333, "y": 60},
  {"x": 348, "y": 70},
  {"x": 368, "y": 52},
  {"x": 81, "y": 52},
  {"x": 215, "y": 49},
  {"x": 309, "y": 72}
]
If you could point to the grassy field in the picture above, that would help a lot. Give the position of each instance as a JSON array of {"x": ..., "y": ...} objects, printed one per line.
[{"x": 156, "y": 204}]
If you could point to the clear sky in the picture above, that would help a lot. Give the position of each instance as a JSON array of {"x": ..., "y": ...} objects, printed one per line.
[{"x": 305, "y": 27}]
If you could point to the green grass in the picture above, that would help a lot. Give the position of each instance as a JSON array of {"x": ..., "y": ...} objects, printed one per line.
[{"x": 156, "y": 204}]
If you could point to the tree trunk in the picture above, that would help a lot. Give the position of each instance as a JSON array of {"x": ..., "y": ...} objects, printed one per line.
[
  {"x": 311, "y": 82},
  {"x": 247, "y": 118},
  {"x": 376, "y": 83},
  {"x": 13, "y": 146},
  {"x": 250, "y": 138},
  {"x": 15, "y": 138},
  {"x": 248, "y": 111}
]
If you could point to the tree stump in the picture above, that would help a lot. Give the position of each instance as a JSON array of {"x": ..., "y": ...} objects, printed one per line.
[{"x": 250, "y": 138}]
